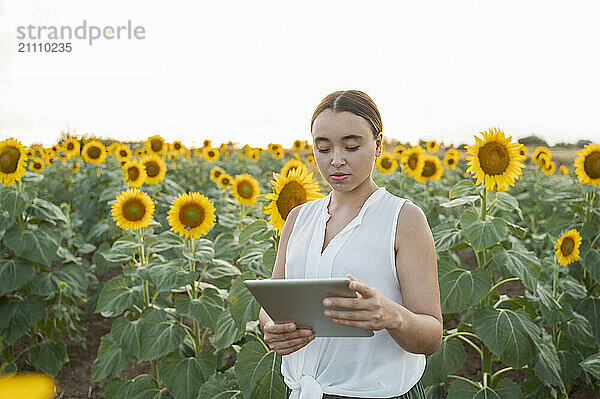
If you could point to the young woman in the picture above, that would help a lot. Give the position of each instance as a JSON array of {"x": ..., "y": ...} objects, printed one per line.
[{"x": 380, "y": 241}]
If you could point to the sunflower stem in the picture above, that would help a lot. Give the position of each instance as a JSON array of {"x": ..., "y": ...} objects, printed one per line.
[{"x": 594, "y": 241}]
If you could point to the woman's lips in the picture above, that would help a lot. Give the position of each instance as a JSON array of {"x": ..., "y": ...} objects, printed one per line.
[{"x": 339, "y": 177}]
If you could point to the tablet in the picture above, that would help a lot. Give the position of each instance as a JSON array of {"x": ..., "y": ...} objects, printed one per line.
[{"x": 301, "y": 301}]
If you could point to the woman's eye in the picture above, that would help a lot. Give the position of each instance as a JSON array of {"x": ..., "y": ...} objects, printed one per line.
[
  {"x": 353, "y": 148},
  {"x": 320, "y": 150}
]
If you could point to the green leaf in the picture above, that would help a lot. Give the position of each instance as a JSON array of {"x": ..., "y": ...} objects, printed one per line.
[
  {"x": 503, "y": 333},
  {"x": 128, "y": 334},
  {"x": 76, "y": 277},
  {"x": 203, "y": 251},
  {"x": 258, "y": 372},
  {"x": 243, "y": 305},
  {"x": 170, "y": 275},
  {"x": 205, "y": 310},
  {"x": 254, "y": 229},
  {"x": 183, "y": 375},
  {"x": 269, "y": 257},
  {"x": 14, "y": 273},
  {"x": 117, "y": 295},
  {"x": 159, "y": 335},
  {"x": 569, "y": 364},
  {"x": 460, "y": 389},
  {"x": 508, "y": 389},
  {"x": 470, "y": 199},
  {"x": 517, "y": 263},
  {"x": 218, "y": 386},
  {"x": 579, "y": 331},
  {"x": 220, "y": 268},
  {"x": 47, "y": 211},
  {"x": 590, "y": 309},
  {"x": 486, "y": 393},
  {"x": 110, "y": 360},
  {"x": 546, "y": 298},
  {"x": 591, "y": 263},
  {"x": 546, "y": 364},
  {"x": 450, "y": 357},
  {"x": 462, "y": 188},
  {"x": 447, "y": 236},
  {"x": 482, "y": 234},
  {"x": 226, "y": 332},
  {"x": 165, "y": 241},
  {"x": 8, "y": 368},
  {"x": 460, "y": 289},
  {"x": 15, "y": 202},
  {"x": 48, "y": 356},
  {"x": 18, "y": 316},
  {"x": 141, "y": 387},
  {"x": 591, "y": 364},
  {"x": 507, "y": 202},
  {"x": 38, "y": 245}
]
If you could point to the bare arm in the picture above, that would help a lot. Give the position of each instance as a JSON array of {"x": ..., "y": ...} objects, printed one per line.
[
  {"x": 279, "y": 267},
  {"x": 418, "y": 325}
]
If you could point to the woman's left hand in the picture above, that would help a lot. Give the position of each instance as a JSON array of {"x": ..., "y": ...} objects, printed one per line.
[{"x": 371, "y": 310}]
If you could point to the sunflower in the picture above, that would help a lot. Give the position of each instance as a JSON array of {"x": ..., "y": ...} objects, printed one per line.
[
  {"x": 495, "y": 160},
  {"x": 134, "y": 173},
  {"x": 133, "y": 209},
  {"x": 564, "y": 170},
  {"x": 141, "y": 152},
  {"x": 245, "y": 189},
  {"x": 274, "y": 147},
  {"x": 398, "y": 151},
  {"x": 386, "y": 163},
  {"x": 567, "y": 247},
  {"x": 310, "y": 159},
  {"x": 94, "y": 152},
  {"x": 538, "y": 151},
  {"x": 49, "y": 160},
  {"x": 210, "y": 154},
  {"x": 156, "y": 145},
  {"x": 253, "y": 154},
  {"x": 155, "y": 168},
  {"x": 206, "y": 143},
  {"x": 451, "y": 158},
  {"x": 72, "y": 147},
  {"x": 291, "y": 165},
  {"x": 75, "y": 166},
  {"x": 432, "y": 146},
  {"x": 215, "y": 173},
  {"x": 122, "y": 152},
  {"x": 224, "y": 180},
  {"x": 177, "y": 148},
  {"x": 12, "y": 161},
  {"x": 523, "y": 151},
  {"x": 549, "y": 168},
  {"x": 432, "y": 169},
  {"x": 37, "y": 165},
  {"x": 412, "y": 160},
  {"x": 191, "y": 215},
  {"x": 227, "y": 154},
  {"x": 223, "y": 147},
  {"x": 587, "y": 165},
  {"x": 28, "y": 386},
  {"x": 278, "y": 154},
  {"x": 292, "y": 190},
  {"x": 298, "y": 145},
  {"x": 542, "y": 160}
]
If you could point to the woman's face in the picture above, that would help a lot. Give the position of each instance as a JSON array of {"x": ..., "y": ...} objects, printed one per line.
[{"x": 343, "y": 143}]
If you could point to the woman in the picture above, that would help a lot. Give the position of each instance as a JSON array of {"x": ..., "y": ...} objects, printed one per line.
[{"x": 383, "y": 244}]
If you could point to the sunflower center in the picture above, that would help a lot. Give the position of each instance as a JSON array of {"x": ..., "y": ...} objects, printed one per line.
[
  {"x": 245, "y": 190},
  {"x": 133, "y": 173},
  {"x": 134, "y": 210},
  {"x": 191, "y": 215},
  {"x": 385, "y": 162},
  {"x": 93, "y": 152},
  {"x": 9, "y": 159},
  {"x": 493, "y": 158},
  {"x": 291, "y": 195},
  {"x": 70, "y": 147},
  {"x": 37, "y": 165},
  {"x": 217, "y": 173},
  {"x": 428, "y": 169},
  {"x": 156, "y": 145},
  {"x": 211, "y": 154},
  {"x": 123, "y": 153},
  {"x": 591, "y": 165},
  {"x": 567, "y": 246},
  {"x": 450, "y": 161},
  {"x": 152, "y": 169},
  {"x": 225, "y": 181},
  {"x": 177, "y": 146},
  {"x": 412, "y": 161}
]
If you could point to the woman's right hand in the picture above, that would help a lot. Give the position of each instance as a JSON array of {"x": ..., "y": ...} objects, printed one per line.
[{"x": 284, "y": 340}]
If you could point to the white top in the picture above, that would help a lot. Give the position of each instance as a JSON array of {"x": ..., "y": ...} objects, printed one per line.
[{"x": 364, "y": 367}]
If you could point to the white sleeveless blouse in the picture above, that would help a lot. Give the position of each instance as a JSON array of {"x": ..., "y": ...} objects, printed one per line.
[{"x": 364, "y": 367}]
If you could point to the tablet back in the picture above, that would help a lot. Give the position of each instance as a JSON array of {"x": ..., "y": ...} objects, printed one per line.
[{"x": 301, "y": 301}]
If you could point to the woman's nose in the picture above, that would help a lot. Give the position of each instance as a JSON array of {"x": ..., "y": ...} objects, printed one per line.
[{"x": 337, "y": 158}]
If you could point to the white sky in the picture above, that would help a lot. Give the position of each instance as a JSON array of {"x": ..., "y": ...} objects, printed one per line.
[{"x": 254, "y": 71}]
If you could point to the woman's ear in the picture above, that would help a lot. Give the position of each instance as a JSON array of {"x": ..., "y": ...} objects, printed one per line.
[{"x": 379, "y": 144}]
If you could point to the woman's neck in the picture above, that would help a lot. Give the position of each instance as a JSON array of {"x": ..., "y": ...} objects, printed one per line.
[{"x": 351, "y": 200}]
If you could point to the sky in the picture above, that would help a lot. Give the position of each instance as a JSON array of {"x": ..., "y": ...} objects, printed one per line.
[{"x": 253, "y": 72}]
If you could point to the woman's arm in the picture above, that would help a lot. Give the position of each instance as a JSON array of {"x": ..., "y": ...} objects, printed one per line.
[{"x": 418, "y": 324}]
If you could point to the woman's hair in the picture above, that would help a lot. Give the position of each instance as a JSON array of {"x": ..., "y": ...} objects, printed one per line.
[{"x": 354, "y": 101}]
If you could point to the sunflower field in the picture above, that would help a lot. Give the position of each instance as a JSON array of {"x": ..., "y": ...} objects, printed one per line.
[{"x": 156, "y": 239}]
